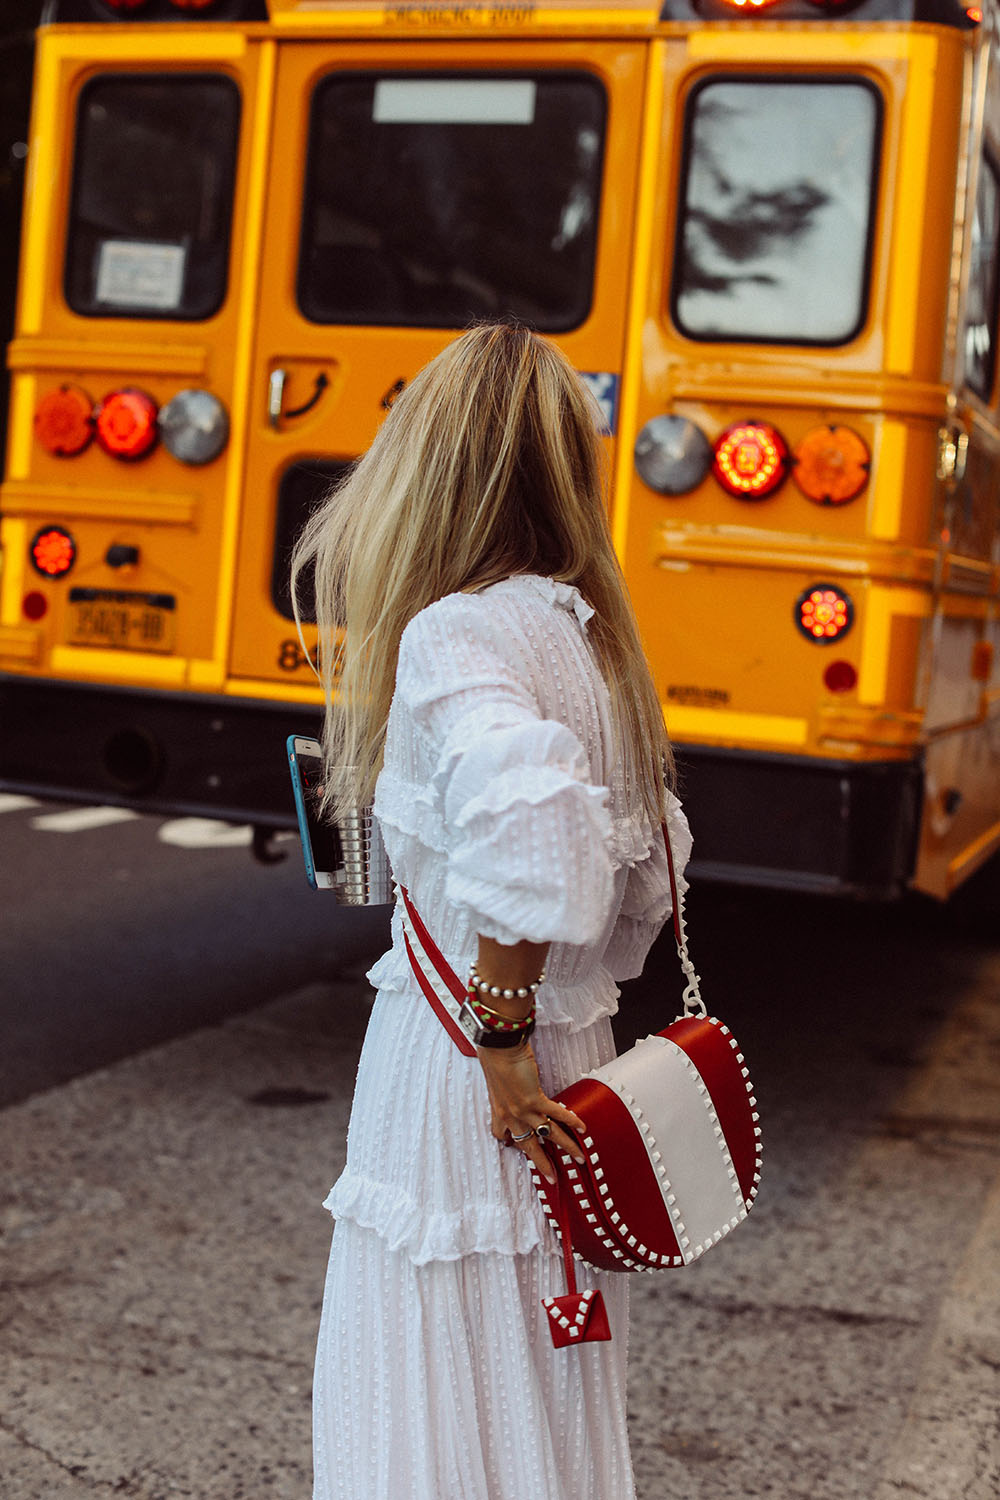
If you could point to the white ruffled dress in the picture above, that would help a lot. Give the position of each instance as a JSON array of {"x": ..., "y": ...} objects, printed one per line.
[{"x": 504, "y": 813}]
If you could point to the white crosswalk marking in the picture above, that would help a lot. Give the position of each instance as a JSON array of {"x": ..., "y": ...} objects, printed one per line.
[
  {"x": 204, "y": 833},
  {"x": 80, "y": 819},
  {"x": 15, "y": 802}
]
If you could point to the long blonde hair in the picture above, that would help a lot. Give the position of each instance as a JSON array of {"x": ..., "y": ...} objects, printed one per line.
[{"x": 487, "y": 465}]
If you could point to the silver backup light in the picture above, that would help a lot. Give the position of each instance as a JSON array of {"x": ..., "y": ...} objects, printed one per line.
[{"x": 672, "y": 455}]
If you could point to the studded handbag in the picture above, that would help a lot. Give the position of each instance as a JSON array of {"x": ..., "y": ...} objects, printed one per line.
[{"x": 672, "y": 1144}]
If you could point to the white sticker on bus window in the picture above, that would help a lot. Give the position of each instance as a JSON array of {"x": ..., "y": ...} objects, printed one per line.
[
  {"x": 135, "y": 273},
  {"x": 454, "y": 101}
]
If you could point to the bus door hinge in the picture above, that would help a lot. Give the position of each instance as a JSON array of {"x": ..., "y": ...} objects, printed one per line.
[{"x": 953, "y": 452}]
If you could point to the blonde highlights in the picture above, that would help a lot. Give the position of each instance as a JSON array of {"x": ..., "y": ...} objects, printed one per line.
[{"x": 487, "y": 465}]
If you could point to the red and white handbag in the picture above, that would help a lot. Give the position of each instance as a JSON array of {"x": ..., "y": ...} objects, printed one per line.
[{"x": 672, "y": 1144}]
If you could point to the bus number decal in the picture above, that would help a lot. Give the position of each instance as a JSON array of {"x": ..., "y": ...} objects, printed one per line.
[
  {"x": 697, "y": 697},
  {"x": 291, "y": 656},
  {"x": 455, "y": 13}
]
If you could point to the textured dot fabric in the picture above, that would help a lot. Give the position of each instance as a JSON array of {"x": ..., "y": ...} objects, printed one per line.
[{"x": 504, "y": 812}]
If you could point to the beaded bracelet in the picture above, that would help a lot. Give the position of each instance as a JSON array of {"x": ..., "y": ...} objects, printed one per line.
[
  {"x": 494, "y": 1020},
  {"x": 497, "y": 991}
]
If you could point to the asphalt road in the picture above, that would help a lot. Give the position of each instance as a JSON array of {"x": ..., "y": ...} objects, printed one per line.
[
  {"x": 120, "y": 932},
  {"x": 116, "y": 935},
  {"x": 162, "y": 1244}
]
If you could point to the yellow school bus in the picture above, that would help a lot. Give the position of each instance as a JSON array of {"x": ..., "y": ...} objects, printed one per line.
[{"x": 767, "y": 234}]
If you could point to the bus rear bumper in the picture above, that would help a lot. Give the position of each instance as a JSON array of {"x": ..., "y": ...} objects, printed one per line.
[
  {"x": 155, "y": 752},
  {"x": 843, "y": 828}
]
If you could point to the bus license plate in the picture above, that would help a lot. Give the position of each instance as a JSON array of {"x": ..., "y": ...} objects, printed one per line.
[{"x": 122, "y": 620}]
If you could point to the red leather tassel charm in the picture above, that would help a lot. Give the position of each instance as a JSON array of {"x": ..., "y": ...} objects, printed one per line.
[{"x": 577, "y": 1317}]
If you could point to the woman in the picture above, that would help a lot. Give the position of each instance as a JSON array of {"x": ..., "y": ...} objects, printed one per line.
[{"x": 493, "y": 697}]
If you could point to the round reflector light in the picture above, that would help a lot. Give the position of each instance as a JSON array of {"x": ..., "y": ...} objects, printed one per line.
[
  {"x": 841, "y": 676},
  {"x": 64, "y": 421},
  {"x": 34, "y": 605},
  {"x": 751, "y": 460},
  {"x": 672, "y": 455},
  {"x": 194, "y": 426},
  {"x": 831, "y": 465},
  {"x": 53, "y": 551},
  {"x": 126, "y": 423},
  {"x": 823, "y": 613}
]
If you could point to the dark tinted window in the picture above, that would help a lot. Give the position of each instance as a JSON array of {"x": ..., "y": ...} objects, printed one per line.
[
  {"x": 303, "y": 486},
  {"x": 152, "y": 196},
  {"x": 776, "y": 210},
  {"x": 981, "y": 295},
  {"x": 435, "y": 200}
]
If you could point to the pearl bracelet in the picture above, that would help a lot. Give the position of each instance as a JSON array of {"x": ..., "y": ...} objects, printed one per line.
[{"x": 497, "y": 991}]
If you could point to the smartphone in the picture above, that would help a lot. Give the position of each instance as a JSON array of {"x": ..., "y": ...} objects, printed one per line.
[{"x": 320, "y": 840}]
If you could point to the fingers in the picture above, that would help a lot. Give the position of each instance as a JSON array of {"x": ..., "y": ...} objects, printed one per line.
[{"x": 537, "y": 1155}]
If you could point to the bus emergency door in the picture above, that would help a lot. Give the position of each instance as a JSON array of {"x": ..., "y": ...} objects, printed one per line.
[{"x": 408, "y": 195}]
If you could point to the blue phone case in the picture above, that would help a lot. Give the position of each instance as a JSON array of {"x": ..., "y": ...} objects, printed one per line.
[{"x": 300, "y": 809}]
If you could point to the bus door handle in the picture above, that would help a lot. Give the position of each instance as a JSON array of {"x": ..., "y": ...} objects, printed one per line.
[
  {"x": 276, "y": 393},
  {"x": 275, "y": 396}
]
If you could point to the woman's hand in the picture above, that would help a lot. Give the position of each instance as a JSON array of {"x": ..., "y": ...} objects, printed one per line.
[{"x": 517, "y": 1105}]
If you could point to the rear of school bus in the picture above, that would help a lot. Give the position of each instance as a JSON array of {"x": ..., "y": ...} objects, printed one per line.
[
  {"x": 247, "y": 227},
  {"x": 806, "y": 503},
  {"x": 244, "y": 234}
]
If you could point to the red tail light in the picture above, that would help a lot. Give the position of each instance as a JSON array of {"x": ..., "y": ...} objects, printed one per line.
[
  {"x": 126, "y": 423},
  {"x": 64, "y": 421},
  {"x": 823, "y": 613},
  {"x": 125, "y": 5},
  {"x": 751, "y": 460},
  {"x": 53, "y": 551},
  {"x": 192, "y": 4}
]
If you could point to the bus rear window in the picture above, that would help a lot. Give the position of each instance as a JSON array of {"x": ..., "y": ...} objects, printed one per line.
[
  {"x": 152, "y": 197},
  {"x": 432, "y": 201},
  {"x": 776, "y": 210}
]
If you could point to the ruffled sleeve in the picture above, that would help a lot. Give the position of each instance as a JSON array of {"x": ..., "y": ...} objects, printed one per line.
[
  {"x": 527, "y": 834},
  {"x": 646, "y": 904}
]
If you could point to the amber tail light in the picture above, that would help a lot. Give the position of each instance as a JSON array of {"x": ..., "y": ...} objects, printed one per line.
[
  {"x": 64, "y": 421},
  {"x": 832, "y": 465}
]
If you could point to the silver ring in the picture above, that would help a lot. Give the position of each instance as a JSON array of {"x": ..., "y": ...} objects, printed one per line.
[
  {"x": 523, "y": 1137},
  {"x": 543, "y": 1131}
]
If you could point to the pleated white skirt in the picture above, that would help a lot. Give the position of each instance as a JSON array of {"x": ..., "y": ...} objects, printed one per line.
[{"x": 440, "y": 1382}]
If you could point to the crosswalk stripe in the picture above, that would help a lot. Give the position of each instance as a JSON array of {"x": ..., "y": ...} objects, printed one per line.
[
  {"x": 79, "y": 819},
  {"x": 204, "y": 833},
  {"x": 15, "y": 802}
]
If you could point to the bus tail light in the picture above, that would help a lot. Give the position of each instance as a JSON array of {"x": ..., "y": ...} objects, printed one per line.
[
  {"x": 751, "y": 460},
  {"x": 192, "y": 4},
  {"x": 824, "y": 613},
  {"x": 126, "y": 423},
  {"x": 125, "y": 5},
  {"x": 831, "y": 465},
  {"x": 53, "y": 551},
  {"x": 194, "y": 426},
  {"x": 64, "y": 421},
  {"x": 672, "y": 455}
]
